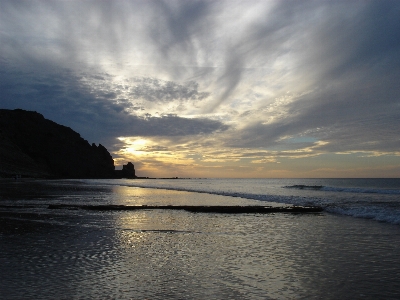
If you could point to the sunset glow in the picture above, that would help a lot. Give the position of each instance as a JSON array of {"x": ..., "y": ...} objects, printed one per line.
[{"x": 214, "y": 88}]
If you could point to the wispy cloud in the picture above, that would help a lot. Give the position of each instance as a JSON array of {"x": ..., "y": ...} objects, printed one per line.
[
  {"x": 285, "y": 79},
  {"x": 155, "y": 90}
]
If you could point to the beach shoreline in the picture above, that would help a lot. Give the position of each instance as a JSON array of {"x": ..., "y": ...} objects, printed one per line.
[{"x": 175, "y": 254}]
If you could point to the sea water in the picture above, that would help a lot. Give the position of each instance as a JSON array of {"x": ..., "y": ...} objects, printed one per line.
[
  {"x": 349, "y": 251},
  {"x": 377, "y": 199}
]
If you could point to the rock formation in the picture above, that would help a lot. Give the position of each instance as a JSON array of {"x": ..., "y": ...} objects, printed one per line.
[
  {"x": 33, "y": 146},
  {"x": 128, "y": 171}
]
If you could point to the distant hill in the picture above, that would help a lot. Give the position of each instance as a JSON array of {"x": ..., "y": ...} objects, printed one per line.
[{"x": 33, "y": 146}]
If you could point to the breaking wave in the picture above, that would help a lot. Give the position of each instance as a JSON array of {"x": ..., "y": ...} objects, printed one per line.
[
  {"x": 379, "y": 204},
  {"x": 344, "y": 189}
]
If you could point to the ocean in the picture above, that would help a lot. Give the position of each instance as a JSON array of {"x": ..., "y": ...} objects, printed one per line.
[
  {"x": 377, "y": 199},
  {"x": 350, "y": 250}
]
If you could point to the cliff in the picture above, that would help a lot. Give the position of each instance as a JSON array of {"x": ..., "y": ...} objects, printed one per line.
[
  {"x": 128, "y": 171},
  {"x": 33, "y": 146}
]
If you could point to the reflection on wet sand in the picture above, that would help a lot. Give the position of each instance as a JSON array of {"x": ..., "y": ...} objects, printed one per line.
[
  {"x": 128, "y": 195},
  {"x": 168, "y": 254}
]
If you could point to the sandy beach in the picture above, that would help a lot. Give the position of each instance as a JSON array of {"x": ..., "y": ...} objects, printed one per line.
[{"x": 159, "y": 254}]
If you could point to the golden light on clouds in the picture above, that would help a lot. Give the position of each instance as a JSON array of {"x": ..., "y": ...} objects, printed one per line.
[
  {"x": 206, "y": 157},
  {"x": 134, "y": 146},
  {"x": 154, "y": 158},
  {"x": 237, "y": 89}
]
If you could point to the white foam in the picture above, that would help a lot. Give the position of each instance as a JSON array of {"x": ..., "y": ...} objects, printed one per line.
[
  {"x": 361, "y": 190},
  {"x": 345, "y": 189},
  {"x": 357, "y": 206}
]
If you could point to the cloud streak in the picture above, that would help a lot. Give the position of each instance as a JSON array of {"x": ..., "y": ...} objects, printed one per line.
[
  {"x": 155, "y": 90},
  {"x": 287, "y": 80}
]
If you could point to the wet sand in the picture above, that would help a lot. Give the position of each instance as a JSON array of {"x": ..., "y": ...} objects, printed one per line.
[{"x": 168, "y": 254}]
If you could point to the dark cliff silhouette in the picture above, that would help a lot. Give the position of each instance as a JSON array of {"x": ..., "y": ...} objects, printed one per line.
[
  {"x": 33, "y": 146},
  {"x": 128, "y": 171}
]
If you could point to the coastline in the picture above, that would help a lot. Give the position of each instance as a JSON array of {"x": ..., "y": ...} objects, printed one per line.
[{"x": 176, "y": 254}]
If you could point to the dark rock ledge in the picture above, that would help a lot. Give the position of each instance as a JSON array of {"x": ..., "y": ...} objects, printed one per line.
[{"x": 197, "y": 209}]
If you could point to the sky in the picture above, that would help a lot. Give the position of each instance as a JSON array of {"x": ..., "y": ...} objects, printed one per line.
[{"x": 256, "y": 89}]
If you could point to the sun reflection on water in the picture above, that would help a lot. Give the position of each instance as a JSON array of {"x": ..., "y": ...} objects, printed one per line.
[{"x": 130, "y": 195}]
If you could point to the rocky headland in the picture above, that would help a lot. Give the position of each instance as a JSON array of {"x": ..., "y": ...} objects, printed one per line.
[{"x": 32, "y": 146}]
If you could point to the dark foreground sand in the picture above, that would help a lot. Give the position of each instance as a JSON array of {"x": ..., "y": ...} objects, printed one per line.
[{"x": 169, "y": 254}]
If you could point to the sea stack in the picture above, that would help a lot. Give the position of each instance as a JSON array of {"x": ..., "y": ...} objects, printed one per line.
[{"x": 128, "y": 171}]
